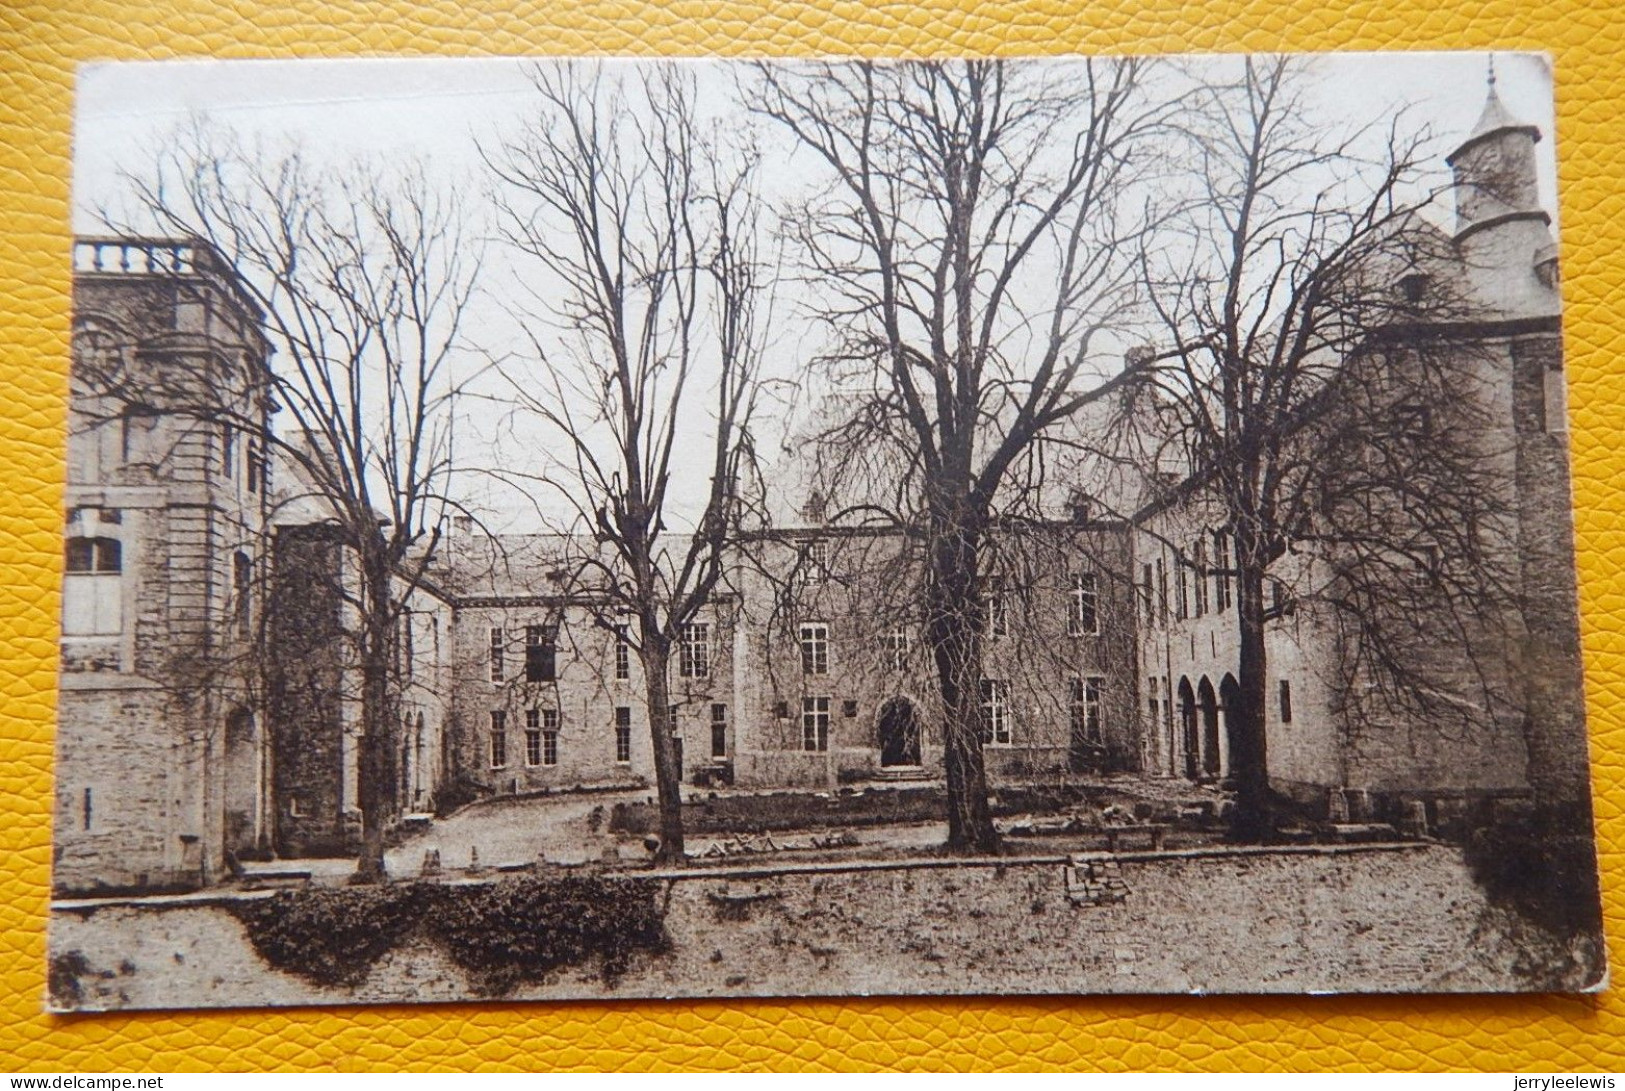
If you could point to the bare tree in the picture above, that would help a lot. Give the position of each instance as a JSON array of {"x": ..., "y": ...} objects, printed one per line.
[
  {"x": 646, "y": 367},
  {"x": 364, "y": 281},
  {"x": 1303, "y": 391},
  {"x": 968, "y": 251}
]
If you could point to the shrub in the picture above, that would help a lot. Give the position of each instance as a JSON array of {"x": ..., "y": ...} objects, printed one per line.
[
  {"x": 519, "y": 932},
  {"x": 504, "y": 934},
  {"x": 455, "y": 796},
  {"x": 1550, "y": 880},
  {"x": 331, "y": 936},
  {"x": 62, "y": 978}
]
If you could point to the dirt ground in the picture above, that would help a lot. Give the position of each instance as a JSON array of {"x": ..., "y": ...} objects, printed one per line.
[
  {"x": 1369, "y": 921},
  {"x": 575, "y": 828}
]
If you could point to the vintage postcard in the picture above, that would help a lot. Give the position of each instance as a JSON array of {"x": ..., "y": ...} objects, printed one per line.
[{"x": 596, "y": 529}]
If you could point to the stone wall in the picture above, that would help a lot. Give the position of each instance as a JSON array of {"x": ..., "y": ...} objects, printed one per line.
[{"x": 1363, "y": 921}]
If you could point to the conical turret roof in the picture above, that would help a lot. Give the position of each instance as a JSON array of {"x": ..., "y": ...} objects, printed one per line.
[{"x": 1495, "y": 119}]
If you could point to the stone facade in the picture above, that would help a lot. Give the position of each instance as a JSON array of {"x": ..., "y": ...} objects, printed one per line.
[
  {"x": 840, "y": 686},
  {"x": 835, "y": 689},
  {"x": 1504, "y": 680},
  {"x": 548, "y": 690},
  {"x": 162, "y": 760}
]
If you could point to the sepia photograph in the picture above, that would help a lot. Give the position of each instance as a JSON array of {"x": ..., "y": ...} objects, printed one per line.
[{"x": 593, "y": 529}]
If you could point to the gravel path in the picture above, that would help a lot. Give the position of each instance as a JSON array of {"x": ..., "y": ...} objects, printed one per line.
[{"x": 515, "y": 831}]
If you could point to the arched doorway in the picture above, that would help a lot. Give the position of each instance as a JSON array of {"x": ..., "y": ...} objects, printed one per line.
[
  {"x": 899, "y": 733},
  {"x": 1208, "y": 702},
  {"x": 1230, "y": 700},
  {"x": 1187, "y": 725}
]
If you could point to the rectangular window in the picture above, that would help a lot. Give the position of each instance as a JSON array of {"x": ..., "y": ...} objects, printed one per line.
[
  {"x": 815, "y": 648},
  {"x": 533, "y": 737},
  {"x": 894, "y": 649},
  {"x": 404, "y": 665},
  {"x": 1151, "y": 700},
  {"x": 623, "y": 652},
  {"x": 694, "y": 650},
  {"x": 499, "y": 740},
  {"x": 541, "y": 655},
  {"x": 1077, "y": 718},
  {"x": 1286, "y": 701},
  {"x": 496, "y": 655},
  {"x": 242, "y": 582},
  {"x": 1221, "y": 571},
  {"x": 815, "y": 558},
  {"x": 1199, "y": 575},
  {"x": 1084, "y": 696},
  {"x": 550, "y": 748},
  {"x": 815, "y": 724},
  {"x": 1146, "y": 600},
  {"x": 1162, "y": 590},
  {"x": 1182, "y": 602},
  {"x": 993, "y": 599},
  {"x": 623, "y": 735},
  {"x": 995, "y": 711},
  {"x": 93, "y": 588},
  {"x": 1083, "y": 614},
  {"x": 719, "y": 731},
  {"x": 1091, "y": 708},
  {"x": 254, "y": 467},
  {"x": 228, "y": 450}
]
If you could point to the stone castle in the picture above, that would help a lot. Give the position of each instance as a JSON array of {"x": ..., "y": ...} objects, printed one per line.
[{"x": 206, "y": 716}]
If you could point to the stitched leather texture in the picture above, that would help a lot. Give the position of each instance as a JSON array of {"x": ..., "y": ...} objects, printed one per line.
[{"x": 40, "y": 43}]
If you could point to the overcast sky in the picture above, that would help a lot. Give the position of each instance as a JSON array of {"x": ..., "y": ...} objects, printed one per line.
[{"x": 438, "y": 111}]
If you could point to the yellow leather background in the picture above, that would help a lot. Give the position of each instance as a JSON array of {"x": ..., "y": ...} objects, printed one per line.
[{"x": 41, "y": 41}]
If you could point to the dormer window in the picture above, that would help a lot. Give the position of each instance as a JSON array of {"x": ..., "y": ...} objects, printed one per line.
[
  {"x": 815, "y": 509},
  {"x": 1413, "y": 287},
  {"x": 1547, "y": 272}
]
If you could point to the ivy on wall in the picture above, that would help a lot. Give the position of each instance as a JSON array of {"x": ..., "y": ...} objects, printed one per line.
[{"x": 503, "y": 934}]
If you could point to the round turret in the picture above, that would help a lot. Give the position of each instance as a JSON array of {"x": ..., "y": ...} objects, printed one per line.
[
  {"x": 1503, "y": 235},
  {"x": 1495, "y": 169}
]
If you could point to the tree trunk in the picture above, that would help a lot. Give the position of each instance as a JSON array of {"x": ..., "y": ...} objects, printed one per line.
[
  {"x": 655, "y": 656},
  {"x": 955, "y": 634},
  {"x": 377, "y": 721},
  {"x": 1249, "y": 763}
]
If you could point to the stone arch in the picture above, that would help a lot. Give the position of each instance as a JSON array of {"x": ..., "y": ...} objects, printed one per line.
[
  {"x": 1207, "y": 702},
  {"x": 1229, "y": 701},
  {"x": 1191, "y": 742}
]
